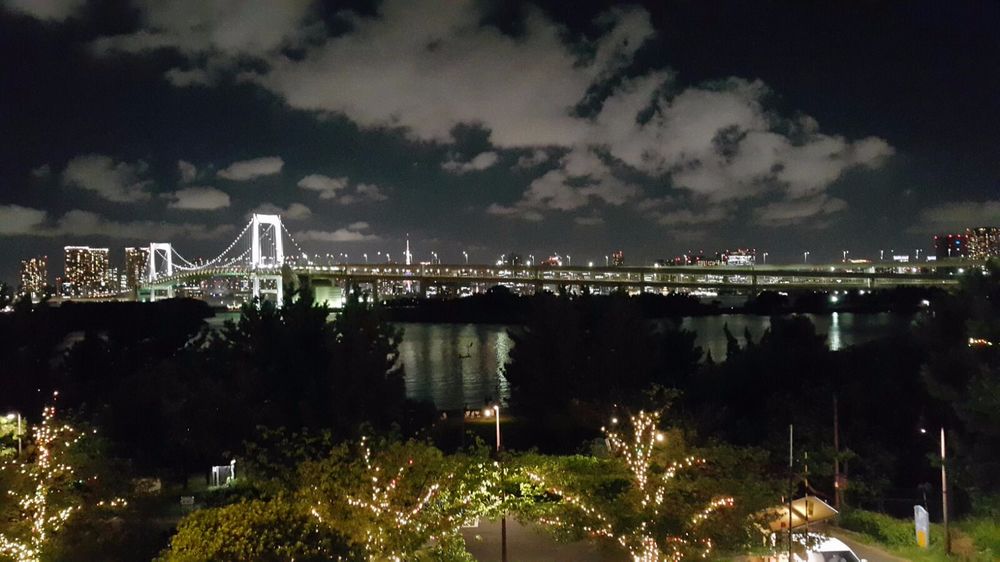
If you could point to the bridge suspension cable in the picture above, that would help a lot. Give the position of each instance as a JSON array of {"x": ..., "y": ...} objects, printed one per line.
[
  {"x": 292, "y": 238},
  {"x": 193, "y": 267}
]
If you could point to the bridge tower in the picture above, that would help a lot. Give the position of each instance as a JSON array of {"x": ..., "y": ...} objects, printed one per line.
[
  {"x": 266, "y": 226},
  {"x": 266, "y": 261},
  {"x": 160, "y": 264}
]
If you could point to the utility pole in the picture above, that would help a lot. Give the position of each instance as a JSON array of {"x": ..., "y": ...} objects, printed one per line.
[
  {"x": 944, "y": 498},
  {"x": 836, "y": 456},
  {"x": 790, "y": 487}
]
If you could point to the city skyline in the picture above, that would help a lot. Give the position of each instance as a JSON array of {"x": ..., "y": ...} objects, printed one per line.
[{"x": 485, "y": 130}]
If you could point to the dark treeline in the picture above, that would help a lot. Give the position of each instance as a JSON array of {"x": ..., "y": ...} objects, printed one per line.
[
  {"x": 174, "y": 396},
  {"x": 501, "y": 306}
]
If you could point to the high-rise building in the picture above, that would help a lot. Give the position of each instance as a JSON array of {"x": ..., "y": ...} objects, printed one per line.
[
  {"x": 618, "y": 258},
  {"x": 954, "y": 246},
  {"x": 34, "y": 276},
  {"x": 136, "y": 262},
  {"x": 86, "y": 271},
  {"x": 983, "y": 242}
]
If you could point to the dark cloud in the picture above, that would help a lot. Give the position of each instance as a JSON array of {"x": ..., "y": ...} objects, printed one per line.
[{"x": 652, "y": 132}]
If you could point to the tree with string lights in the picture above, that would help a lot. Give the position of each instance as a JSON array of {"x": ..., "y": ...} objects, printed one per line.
[
  {"x": 653, "y": 512},
  {"x": 45, "y": 489},
  {"x": 401, "y": 501}
]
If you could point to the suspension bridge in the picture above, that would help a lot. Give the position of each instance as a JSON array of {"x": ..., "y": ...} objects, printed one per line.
[{"x": 258, "y": 256}]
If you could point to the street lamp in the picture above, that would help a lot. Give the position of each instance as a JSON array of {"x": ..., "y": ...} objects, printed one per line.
[
  {"x": 944, "y": 493},
  {"x": 366, "y": 257},
  {"x": 466, "y": 255},
  {"x": 11, "y": 417},
  {"x": 607, "y": 262},
  {"x": 569, "y": 260},
  {"x": 495, "y": 412},
  {"x": 805, "y": 257},
  {"x": 845, "y": 255},
  {"x": 765, "y": 258},
  {"x": 531, "y": 259}
]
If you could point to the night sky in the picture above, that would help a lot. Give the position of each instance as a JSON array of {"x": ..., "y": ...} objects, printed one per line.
[{"x": 572, "y": 127}]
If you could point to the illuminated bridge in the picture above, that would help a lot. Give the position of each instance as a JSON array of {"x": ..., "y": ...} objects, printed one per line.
[{"x": 257, "y": 255}]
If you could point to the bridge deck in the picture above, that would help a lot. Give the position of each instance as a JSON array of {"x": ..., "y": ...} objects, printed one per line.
[{"x": 776, "y": 277}]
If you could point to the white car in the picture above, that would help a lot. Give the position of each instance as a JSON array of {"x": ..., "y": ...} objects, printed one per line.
[{"x": 833, "y": 550}]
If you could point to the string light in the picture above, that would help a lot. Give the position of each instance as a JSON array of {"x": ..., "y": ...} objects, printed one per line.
[
  {"x": 640, "y": 541},
  {"x": 49, "y": 474},
  {"x": 398, "y": 524}
]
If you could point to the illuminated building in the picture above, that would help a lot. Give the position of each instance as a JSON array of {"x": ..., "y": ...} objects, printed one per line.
[
  {"x": 86, "y": 272},
  {"x": 136, "y": 261},
  {"x": 951, "y": 246},
  {"x": 618, "y": 258},
  {"x": 34, "y": 276},
  {"x": 738, "y": 257},
  {"x": 983, "y": 242}
]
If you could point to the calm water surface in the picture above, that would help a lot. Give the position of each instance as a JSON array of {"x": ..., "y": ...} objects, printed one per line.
[{"x": 458, "y": 365}]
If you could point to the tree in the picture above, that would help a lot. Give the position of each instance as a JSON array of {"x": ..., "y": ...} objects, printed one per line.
[
  {"x": 962, "y": 372},
  {"x": 48, "y": 489},
  {"x": 400, "y": 500},
  {"x": 653, "y": 513},
  {"x": 597, "y": 350}
]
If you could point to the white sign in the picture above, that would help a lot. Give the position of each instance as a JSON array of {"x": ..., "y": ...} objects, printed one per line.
[{"x": 921, "y": 522}]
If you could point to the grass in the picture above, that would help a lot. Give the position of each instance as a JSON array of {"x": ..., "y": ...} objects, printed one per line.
[
  {"x": 985, "y": 534},
  {"x": 974, "y": 540}
]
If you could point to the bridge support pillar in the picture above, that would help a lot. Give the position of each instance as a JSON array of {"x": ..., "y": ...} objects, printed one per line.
[
  {"x": 258, "y": 290},
  {"x": 160, "y": 293}
]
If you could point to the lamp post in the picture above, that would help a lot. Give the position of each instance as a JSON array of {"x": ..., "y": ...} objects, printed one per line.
[
  {"x": 366, "y": 258},
  {"x": 845, "y": 255},
  {"x": 466, "y": 255},
  {"x": 607, "y": 262},
  {"x": 765, "y": 258},
  {"x": 495, "y": 411},
  {"x": 569, "y": 260},
  {"x": 944, "y": 494},
  {"x": 805, "y": 257}
]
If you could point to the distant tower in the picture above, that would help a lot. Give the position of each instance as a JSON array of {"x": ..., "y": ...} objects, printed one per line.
[{"x": 409, "y": 256}]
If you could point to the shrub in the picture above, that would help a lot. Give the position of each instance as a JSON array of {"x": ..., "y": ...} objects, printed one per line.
[{"x": 882, "y": 528}]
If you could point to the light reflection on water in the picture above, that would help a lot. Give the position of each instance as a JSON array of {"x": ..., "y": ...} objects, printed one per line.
[
  {"x": 434, "y": 370},
  {"x": 458, "y": 365},
  {"x": 454, "y": 365}
]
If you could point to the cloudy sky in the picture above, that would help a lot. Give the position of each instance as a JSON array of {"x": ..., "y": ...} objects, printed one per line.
[{"x": 497, "y": 126}]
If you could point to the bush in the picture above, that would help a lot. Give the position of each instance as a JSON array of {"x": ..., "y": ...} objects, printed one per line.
[
  {"x": 255, "y": 531},
  {"x": 882, "y": 528}
]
